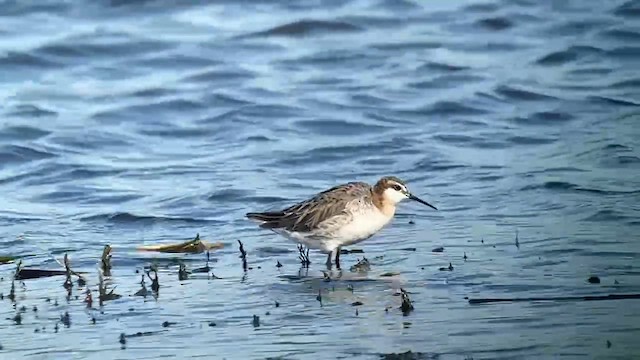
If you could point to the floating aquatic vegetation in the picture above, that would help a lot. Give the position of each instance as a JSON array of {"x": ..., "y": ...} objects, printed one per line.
[
  {"x": 361, "y": 266},
  {"x": 7, "y": 259},
  {"x": 439, "y": 249},
  {"x": 194, "y": 246}
]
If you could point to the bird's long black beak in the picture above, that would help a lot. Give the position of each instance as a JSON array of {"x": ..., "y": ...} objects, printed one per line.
[{"x": 415, "y": 198}]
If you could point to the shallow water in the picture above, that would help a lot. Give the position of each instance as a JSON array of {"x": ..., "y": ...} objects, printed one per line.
[{"x": 143, "y": 122}]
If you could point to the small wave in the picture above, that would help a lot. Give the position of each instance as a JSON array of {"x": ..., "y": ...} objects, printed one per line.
[
  {"x": 117, "y": 47},
  {"x": 447, "y": 81},
  {"x": 227, "y": 194},
  {"x": 571, "y": 54},
  {"x": 544, "y": 118},
  {"x": 22, "y": 133},
  {"x": 26, "y": 61},
  {"x": 626, "y": 84},
  {"x": 307, "y": 27},
  {"x": 605, "y": 100},
  {"x": 452, "y": 108},
  {"x": 624, "y": 35},
  {"x": 605, "y": 216},
  {"x": 521, "y": 94},
  {"x": 563, "y": 186},
  {"x": 29, "y": 110},
  {"x": 432, "y": 66},
  {"x": 337, "y": 127},
  {"x": 630, "y": 9},
  {"x": 430, "y": 165},
  {"x": 21, "y": 154},
  {"x": 125, "y": 217},
  {"x": 221, "y": 75},
  {"x": 530, "y": 140},
  {"x": 625, "y": 53},
  {"x": 495, "y": 23}
]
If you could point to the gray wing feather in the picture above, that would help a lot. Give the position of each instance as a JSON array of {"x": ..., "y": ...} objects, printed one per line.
[{"x": 320, "y": 211}]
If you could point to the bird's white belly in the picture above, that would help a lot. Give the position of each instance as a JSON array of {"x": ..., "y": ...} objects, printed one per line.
[{"x": 363, "y": 226}]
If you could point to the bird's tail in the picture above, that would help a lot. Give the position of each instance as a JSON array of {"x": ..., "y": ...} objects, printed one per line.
[{"x": 268, "y": 220}]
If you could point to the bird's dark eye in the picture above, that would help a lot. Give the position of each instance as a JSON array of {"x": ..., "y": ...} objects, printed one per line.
[{"x": 397, "y": 187}]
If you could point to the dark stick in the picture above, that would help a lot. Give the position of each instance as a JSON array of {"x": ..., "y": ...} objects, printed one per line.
[
  {"x": 243, "y": 255},
  {"x": 559, "y": 298}
]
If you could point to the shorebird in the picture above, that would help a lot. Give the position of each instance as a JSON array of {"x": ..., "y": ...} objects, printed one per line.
[{"x": 343, "y": 215}]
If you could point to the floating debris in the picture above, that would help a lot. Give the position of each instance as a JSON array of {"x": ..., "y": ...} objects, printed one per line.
[
  {"x": 204, "y": 269},
  {"x": 278, "y": 265},
  {"x": 194, "y": 246},
  {"x": 409, "y": 249},
  {"x": 7, "y": 259},
  {"x": 411, "y": 222},
  {"x": 277, "y": 304},
  {"x": 438, "y": 249},
  {"x": 465, "y": 256},
  {"x": 123, "y": 340},
  {"x": 517, "y": 241},
  {"x": 390, "y": 274},
  {"x": 352, "y": 251},
  {"x": 105, "y": 260},
  {"x": 356, "y": 303},
  {"x": 615, "y": 282},
  {"x": 243, "y": 256},
  {"x": 168, "y": 323},
  {"x": 88, "y": 299},
  {"x": 183, "y": 274},
  {"x": 558, "y": 298},
  {"x": 212, "y": 324},
  {"x": 608, "y": 344},
  {"x": 256, "y": 320},
  {"x": 594, "y": 280},
  {"x": 407, "y": 304},
  {"x": 65, "y": 319},
  {"x": 449, "y": 268},
  {"x": 361, "y": 266},
  {"x": 18, "y": 319},
  {"x": 303, "y": 256}
]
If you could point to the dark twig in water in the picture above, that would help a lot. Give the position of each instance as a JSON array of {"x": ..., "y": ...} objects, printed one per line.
[
  {"x": 449, "y": 268},
  {"x": 88, "y": 299},
  {"x": 558, "y": 298},
  {"x": 67, "y": 282},
  {"x": 407, "y": 304},
  {"x": 105, "y": 261},
  {"x": 303, "y": 256},
  {"x": 517, "y": 241},
  {"x": 143, "y": 291},
  {"x": 155, "y": 283},
  {"x": 361, "y": 266},
  {"x": 243, "y": 255},
  {"x": 183, "y": 274},
  {"x": 105, "y": 295}
]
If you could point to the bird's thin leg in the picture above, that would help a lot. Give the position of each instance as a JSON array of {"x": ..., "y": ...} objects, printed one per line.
[
  {"x": 338, "y": 258},
  {"x": 329, "y": 260}
]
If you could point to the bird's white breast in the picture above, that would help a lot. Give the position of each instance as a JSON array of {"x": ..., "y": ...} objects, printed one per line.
[{"x": 363, "y": 225}]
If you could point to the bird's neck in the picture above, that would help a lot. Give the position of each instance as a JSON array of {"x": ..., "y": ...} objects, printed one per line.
[{"x": 383, "y": 204}]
